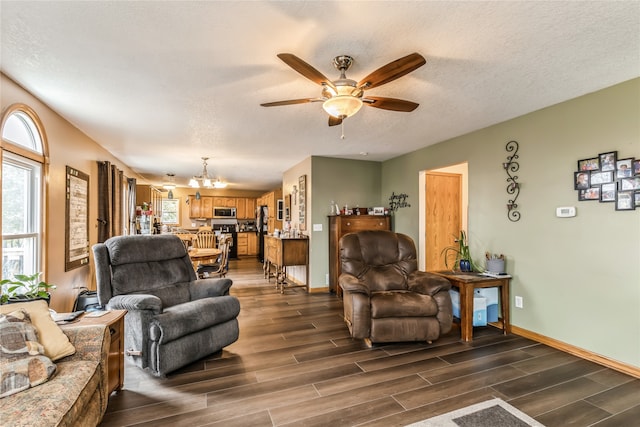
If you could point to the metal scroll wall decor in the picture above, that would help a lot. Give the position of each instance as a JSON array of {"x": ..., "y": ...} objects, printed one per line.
[
  {"x": 511, "y": 166},
  {"x": 397, "y": 201}
]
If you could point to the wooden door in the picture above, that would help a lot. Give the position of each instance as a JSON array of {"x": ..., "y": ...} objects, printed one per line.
[{"x": 443, "y": 221}]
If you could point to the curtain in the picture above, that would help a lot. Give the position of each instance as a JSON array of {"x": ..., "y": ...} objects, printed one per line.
[
  {"x": 131, "y": 183},
  {"x": 104, "y": 201},
  {"x": 116, "y": 201}
]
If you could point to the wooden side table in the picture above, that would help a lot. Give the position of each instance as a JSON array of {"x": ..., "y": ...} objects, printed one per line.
[
  {"x": 114, "y": 320},
  {"x": 466, "y": 283}
]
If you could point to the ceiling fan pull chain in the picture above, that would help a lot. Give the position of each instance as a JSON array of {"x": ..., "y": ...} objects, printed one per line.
[{"x": 342, "y": 126}]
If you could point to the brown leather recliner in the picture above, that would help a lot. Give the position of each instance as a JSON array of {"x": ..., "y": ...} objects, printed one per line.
[{"x": 385, "y": 297}]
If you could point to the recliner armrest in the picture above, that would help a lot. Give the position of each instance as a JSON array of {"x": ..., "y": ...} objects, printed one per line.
[
  {"x": 137, "y": 302},
  {"x": 205, "y": 288},
  {"x": 350, "y": 283},
  {"x": 427, "y": 283}
]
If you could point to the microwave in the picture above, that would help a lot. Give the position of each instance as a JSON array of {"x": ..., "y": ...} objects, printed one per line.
[{"x": 224, "y": 212}]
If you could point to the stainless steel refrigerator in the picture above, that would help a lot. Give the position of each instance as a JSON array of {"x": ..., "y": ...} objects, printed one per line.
[{"x": 262, "y": 216}]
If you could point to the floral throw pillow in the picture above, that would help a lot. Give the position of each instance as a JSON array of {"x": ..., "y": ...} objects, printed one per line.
[{"x": 22, "y": 360}]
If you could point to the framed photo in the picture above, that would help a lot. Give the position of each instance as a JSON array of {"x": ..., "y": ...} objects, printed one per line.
[
  {"x": 608, "y": 161},
  {"x": 625, "y": 201},
  {"x": 76, "y": 247},
  {"x": 636, "y": 196},
  {"x": 378, "y": 210},
  {"x": 630, "y": 183},
  {"x": 589, "y": 164},
  {"x": 598, "y": 178},
  {"x": 624, "y": 168},
  {"x": 608, "y": 192},
  {"x": 581, "y": 180},
  {"x": 636, "y": 167},
  {"x": 592, "y": 193}
]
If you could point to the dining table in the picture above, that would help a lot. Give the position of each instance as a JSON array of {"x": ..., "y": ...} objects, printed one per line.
[{"x": 203, "y": 255}]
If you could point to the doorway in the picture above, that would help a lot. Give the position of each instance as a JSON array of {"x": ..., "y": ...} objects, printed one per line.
[{"x": 443, "y": 212}]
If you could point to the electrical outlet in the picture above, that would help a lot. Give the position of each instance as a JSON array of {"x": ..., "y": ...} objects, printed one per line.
[{"x": 519, "y": 302}]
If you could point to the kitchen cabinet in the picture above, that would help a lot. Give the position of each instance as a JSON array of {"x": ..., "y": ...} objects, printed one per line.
[
  {"x": 251, "y": 208},
  {"x": 201, "y": 208},
  {"x": 245, "y": 208},
  {"x": 269, "y": 200},
  {"x": 341, "y": 225},
  {"x": 224, "y": 202},
  {"x": 151, "y": 195},
  {"x": 252, "y": 243},
  {"x": 243, "y": 244},
  {"x": 248, "y": 243}
]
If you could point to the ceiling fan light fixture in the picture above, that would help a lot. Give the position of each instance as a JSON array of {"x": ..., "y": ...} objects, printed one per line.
[{"x": 342, "y": 106}]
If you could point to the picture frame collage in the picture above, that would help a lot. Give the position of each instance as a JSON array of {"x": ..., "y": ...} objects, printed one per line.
[{"x": 608, "y": 179}]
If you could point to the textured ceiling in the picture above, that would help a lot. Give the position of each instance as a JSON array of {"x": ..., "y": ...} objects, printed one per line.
[{"x": 161, "y": 84}]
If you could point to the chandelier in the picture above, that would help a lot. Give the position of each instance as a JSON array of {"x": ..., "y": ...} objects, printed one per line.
[{"x": 204, "y": 180}]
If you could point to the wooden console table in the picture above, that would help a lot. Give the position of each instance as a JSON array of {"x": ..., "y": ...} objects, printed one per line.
[
  {"x": 282, "y": 253},
  {"x": 466, "y": 283}
]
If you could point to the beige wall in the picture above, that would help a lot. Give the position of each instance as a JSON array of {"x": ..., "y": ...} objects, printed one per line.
[
  {"x": 67, "y": 146},
  {"x": 579, "y": 277}
]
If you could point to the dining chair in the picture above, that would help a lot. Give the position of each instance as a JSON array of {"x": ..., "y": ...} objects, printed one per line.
[
  {"x": 186, "y": 237},
  {"x": 205, "y": 239},
  {"x": 221, "y": 266}
]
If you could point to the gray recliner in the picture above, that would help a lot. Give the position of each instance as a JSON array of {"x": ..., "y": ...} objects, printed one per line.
[{"x": 173, "y": 317}]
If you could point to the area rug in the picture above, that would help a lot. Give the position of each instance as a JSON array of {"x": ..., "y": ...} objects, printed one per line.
[{"x": 492, "y": 413}]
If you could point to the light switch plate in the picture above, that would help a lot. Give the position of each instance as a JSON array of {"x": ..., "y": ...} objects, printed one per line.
[{"x": 317, "y": 227}]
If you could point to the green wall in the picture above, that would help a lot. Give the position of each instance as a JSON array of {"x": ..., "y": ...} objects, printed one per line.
[
  {"x": 351, "y": 182},
  {"x": 579, "y": 277}
]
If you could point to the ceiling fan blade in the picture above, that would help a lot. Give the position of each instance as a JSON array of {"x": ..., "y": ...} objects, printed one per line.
[
  {"x": 334, "y": 121},
  {"x": 305, "y": 69},
  {"x": 393, "y": 70},
  {"x": 392, "y": 104},
  {"x": 290, "y": 102}
]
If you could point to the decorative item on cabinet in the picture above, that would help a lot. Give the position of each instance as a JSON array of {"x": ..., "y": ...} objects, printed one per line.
[{"x": 341, "y": 225}]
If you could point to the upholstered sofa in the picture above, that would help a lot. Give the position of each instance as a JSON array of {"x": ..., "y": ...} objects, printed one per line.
[
  {"x": 173, "y": 318},
  {"x": 385, "y": 297},
  {"x": 76, "y": 395}
]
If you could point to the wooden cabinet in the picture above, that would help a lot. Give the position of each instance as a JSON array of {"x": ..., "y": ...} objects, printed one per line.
[
  {"x": 341, "y": 225},
  {"x": 201, "y": 208},
  {"x": 243, "y": 244},
  {"x": 245, "y": 208},
  {"x": 252, "y": 243},
  {"x": 270, "y": 200},
  {"x": 280, "y": 253},
  {"x": 251, "y": 208},
  {"x": 152, "y": 196},
  {"x": 247, "y": 243},
  {"x": 224, "y": 202}
]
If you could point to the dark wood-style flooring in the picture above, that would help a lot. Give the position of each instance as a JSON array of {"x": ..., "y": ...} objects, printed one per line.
[{"x": 295, "y": 364}]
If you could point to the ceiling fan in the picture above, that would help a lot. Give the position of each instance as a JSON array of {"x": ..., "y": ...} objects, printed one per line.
[{"x": 343, "y": 97}]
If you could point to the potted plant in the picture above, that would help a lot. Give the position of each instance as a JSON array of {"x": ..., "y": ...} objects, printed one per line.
[
  {"x": 462, "y": 255},
  {"x": 24, "y": 287}
]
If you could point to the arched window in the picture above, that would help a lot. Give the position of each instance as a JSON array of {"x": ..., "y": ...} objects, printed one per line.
[{"x": 23, "y": 170}]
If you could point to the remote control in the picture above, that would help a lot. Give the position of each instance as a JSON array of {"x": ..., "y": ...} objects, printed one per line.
[{"x": 73, "y": 316}]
